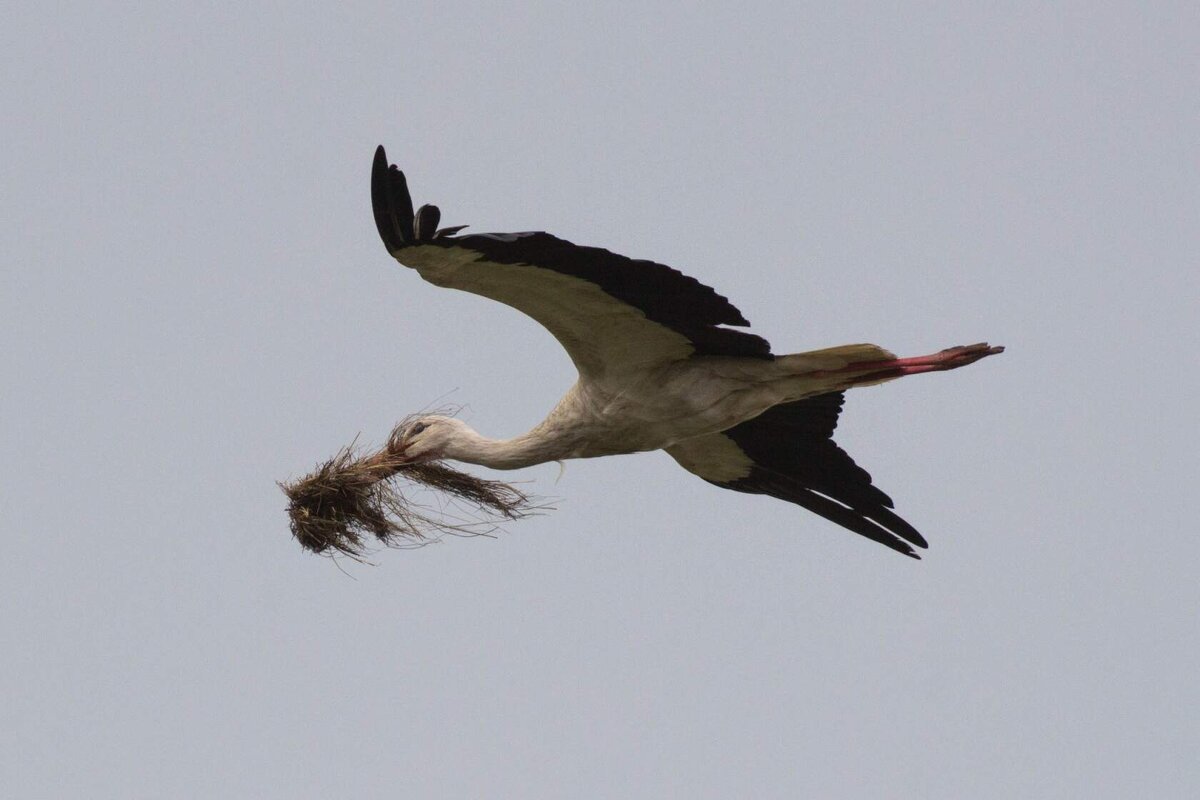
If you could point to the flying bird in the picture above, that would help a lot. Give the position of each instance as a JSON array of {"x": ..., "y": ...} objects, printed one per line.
[{"x": 662, "y": 366}]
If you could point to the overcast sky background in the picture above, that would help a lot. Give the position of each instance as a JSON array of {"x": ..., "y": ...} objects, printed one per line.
[{"x": 196, "y": 304}]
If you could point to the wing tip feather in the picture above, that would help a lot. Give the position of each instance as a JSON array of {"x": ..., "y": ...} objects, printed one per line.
[{"x": 391, "y": 203}]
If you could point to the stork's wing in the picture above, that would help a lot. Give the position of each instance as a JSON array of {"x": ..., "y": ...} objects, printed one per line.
[
  {"x": 611, "y": 313},
  {"x": 788, "y": 452}
]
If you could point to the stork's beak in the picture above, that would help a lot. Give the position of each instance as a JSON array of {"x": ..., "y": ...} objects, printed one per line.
[
  {"x": 398, "y": 451},
  {"x": 387, "y": 460}
]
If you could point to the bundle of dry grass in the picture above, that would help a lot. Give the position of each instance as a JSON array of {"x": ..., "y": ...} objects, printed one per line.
[{"x": 352, "y": 497}]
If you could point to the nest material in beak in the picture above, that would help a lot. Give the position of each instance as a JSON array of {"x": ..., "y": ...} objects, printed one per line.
[{"x": 352, "y": 498}]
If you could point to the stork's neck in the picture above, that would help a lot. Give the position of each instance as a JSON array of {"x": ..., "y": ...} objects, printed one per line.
[{"x": 536, "y": 447}]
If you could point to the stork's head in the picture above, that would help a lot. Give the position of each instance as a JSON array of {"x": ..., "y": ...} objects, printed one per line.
[{"x": 429, "y": 438}]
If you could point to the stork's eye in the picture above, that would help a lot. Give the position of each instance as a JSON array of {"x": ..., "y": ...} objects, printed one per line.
[{"x": 420, "y": 426}]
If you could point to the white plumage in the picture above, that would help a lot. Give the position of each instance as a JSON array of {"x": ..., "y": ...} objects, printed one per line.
[{"x": 659, "y": 368}]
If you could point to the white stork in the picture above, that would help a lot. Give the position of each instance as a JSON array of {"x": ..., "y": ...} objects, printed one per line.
[{"x": 658, "y": 370}]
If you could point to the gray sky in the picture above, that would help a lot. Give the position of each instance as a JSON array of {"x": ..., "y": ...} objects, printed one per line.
[{"x": 195, "y": 304}]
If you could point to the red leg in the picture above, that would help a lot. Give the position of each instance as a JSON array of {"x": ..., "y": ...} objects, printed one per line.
[{"x": 950, "y": 358}]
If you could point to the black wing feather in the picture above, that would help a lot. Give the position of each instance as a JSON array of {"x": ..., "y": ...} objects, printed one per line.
[
  {"x": 795, "y": 459},
  {"x": 391, "y": 203},
  {"x": 664, "y": 295}
]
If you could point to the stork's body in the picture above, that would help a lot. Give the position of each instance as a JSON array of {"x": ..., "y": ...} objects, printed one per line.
[
  {"x": 669, "y": 406},
  {"x": 658, "y": 369}
]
